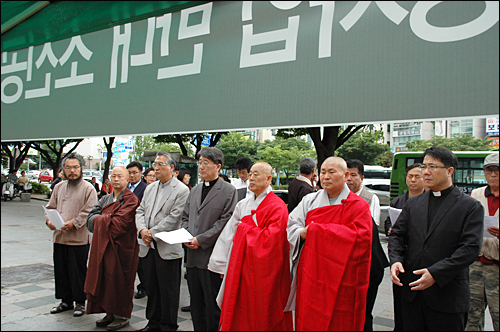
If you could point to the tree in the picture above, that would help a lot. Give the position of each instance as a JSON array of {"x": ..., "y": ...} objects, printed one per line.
[
  {"x": 367, "y": 146},
  {"x": 333, "y": 138},
  {"x": 52, "y": 151},
  {"x": 22, "y": 147},
  {"x": 459, "y": 142},
  {"x": 234, "y": 145},
  {"x": 149, "y": 143},
  {"x": 109, "y": 154},
  {"x": 194, "y": 139}
]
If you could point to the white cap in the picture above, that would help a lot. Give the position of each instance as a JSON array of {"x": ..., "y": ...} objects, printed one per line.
[{"x": 491, "y": 160}]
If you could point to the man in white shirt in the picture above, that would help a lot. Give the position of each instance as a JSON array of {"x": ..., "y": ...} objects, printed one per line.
[
  {"x": 243, "y": 166},
  {"x": 355, "y": 183}
]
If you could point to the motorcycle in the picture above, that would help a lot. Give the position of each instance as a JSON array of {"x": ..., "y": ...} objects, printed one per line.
[{"x": 9, "y": 191}]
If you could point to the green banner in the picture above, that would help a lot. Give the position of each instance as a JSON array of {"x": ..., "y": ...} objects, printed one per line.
[{"x": 243, "y": 65}]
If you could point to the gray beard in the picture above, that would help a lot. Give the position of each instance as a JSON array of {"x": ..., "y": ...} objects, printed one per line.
[{"x": 74, "y": 182}]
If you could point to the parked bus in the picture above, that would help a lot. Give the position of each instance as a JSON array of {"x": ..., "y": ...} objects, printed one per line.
[{"x": 468, "y": 176}]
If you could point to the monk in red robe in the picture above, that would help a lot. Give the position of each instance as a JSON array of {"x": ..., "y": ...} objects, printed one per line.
[
  {"x": 253, "y": 254},
  {"x": 114, "y": 254},
  {"x": 330, "y": 235}
]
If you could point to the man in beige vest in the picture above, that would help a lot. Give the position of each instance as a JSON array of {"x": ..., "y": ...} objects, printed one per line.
[{"x": 484, "y": 271}]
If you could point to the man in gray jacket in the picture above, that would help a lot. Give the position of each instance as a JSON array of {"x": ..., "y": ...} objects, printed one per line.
[
  {"x": 160, "y": 210},
  {"x": 208, "y": 208}
]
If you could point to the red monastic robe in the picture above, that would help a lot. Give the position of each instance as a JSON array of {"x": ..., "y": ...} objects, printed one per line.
[
  {"x": 258, "y": 275},
  {"x": 113, "y": 259},
  {"x": 334, "y": 267}
]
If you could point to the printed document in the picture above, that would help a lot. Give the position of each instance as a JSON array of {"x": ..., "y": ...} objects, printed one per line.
[
  {"x": 177, "y": 236},
  {"x": 54, "y": 217},
  {"x": 394, "y": 214},
  {"x": 489, "y": 221}
]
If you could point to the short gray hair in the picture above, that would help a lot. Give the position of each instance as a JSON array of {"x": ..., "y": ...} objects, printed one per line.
[
  {"x": 73, "y": 156},
  {"x": 170, "y": 160},
  {"x": 307, "y": 165},
  {"x": 212, "y": 153}
]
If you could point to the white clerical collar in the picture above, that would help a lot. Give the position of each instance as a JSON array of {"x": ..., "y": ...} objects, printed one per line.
[{"x": 436, "y": 193}]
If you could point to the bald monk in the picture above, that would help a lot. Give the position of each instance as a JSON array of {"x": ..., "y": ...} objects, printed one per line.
[
  {"x": 252, "y": 253},
  {"x": 330, "y": 235},
  {"x": 114, "y": 254}
]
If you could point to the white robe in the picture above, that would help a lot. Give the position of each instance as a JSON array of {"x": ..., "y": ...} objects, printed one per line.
[
  {"x": 297, "y": 222},
  {"x": 219, "y": 261}
]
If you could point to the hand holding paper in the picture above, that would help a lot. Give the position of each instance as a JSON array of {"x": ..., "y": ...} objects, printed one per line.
[
  {"x": 55, "y": 218},
  {"x": 173, "y": 237}
]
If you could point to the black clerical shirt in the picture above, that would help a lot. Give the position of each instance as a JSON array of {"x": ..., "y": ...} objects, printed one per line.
[
  {"x": 206, "y": 189},
  {"x": 435, "y": 203}
]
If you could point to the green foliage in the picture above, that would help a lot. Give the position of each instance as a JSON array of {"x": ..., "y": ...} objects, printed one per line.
[
  {"x": 280, "y": 187},
  {"x": 459, "y": 142},
  {"x": 39, "y": 188},
  {"x": 234, "y": 145},
  {"x": 367, "y": 146},
  {"x": 385, "y": 159},
  {"x": 148, "y": 143}
]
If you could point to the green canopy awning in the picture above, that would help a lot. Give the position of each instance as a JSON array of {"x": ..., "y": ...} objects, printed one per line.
[{"x": 55, "y": 20}]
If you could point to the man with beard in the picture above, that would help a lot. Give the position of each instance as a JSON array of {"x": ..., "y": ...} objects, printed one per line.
[
  {"x": 115, "y": 254},
  {"x": 73, "y": 199}
]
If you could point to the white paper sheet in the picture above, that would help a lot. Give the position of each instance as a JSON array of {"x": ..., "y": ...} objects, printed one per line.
[
  {"x": 489, "y": 221},
  {"x": 394, "y": 214},
  {"x": 54, "y": 217},
  {"x": 141, "y": 243},
  {"x": 177, "y": 236}
]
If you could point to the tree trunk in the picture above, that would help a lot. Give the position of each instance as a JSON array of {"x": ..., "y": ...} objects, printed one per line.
[{"x": 109, "y": 150}]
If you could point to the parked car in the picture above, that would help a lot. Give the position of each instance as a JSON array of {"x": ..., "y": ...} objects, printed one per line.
[
  {"x": 33, "y": 175},
  {"x": 45, "y": 176},
  {"x": 283, "y": 194}
]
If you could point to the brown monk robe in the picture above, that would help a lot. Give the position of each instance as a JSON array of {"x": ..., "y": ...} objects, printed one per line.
[{"x": 114, "y": 256}]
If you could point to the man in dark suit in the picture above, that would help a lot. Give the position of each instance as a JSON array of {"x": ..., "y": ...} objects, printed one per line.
[
  {"x": 303, "y": 184},
  {"x": 435, "y": 239},
  {"x": 137, "y": 186},
  {"x": 208, "y": 208}
]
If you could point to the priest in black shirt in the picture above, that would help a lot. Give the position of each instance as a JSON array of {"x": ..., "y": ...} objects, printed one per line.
[{"x": 433, "y": 242}]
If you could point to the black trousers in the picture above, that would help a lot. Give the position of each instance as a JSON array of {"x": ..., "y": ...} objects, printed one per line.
[
  {"x": 163, "y": 286},
  {"x": 70, "y": 270},
  {"x": 204, "y": 286},
  {"x": 418, "y": 316},
  {"x": 142, "y": 278},
  {"x": 398, "y": 310},
  {"x": 371, "y": 296}
]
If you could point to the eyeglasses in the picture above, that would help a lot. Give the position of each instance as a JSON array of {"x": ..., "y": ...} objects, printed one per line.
[
  {"x": 159, "y": 165},
  {"x": 72, "y": 167},
  {"x": 205, "y": 164},
  {"x": 489, "y": 171},
  {"x": 431, "y": 168}
]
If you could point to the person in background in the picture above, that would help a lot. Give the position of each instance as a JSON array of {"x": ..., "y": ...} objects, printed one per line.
[
  {"x": 436, "y": 237},
  {"x": 484, "y": 271},
  {"x": 95, "y": 184},
  {"x": 149, "y": 176},
  {"x": 184, "y": 176},
  {"x": 225, "y": 178},
  {"x": 12, "y": 177},
  {"x": 23, "y": 179},
  {"x": 243, "y": 166},
  {"x": 73, "y": 199},
  {"x": 137, "y": 186},
  {"x": 114, "y": 256},
  {"x": 379, "y": 260},
  {"x": 303, "y": 184},
  {"x": 415, "y": 183},
  {"x": 107, "y": 188},
  {"x": 59, "y": 178}
]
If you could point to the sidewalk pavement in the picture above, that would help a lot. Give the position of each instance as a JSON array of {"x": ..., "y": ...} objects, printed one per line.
[{"x": 28, "y": 280}]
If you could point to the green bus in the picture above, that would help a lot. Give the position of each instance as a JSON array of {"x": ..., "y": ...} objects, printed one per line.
[{"x": 468, "y": 176}]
